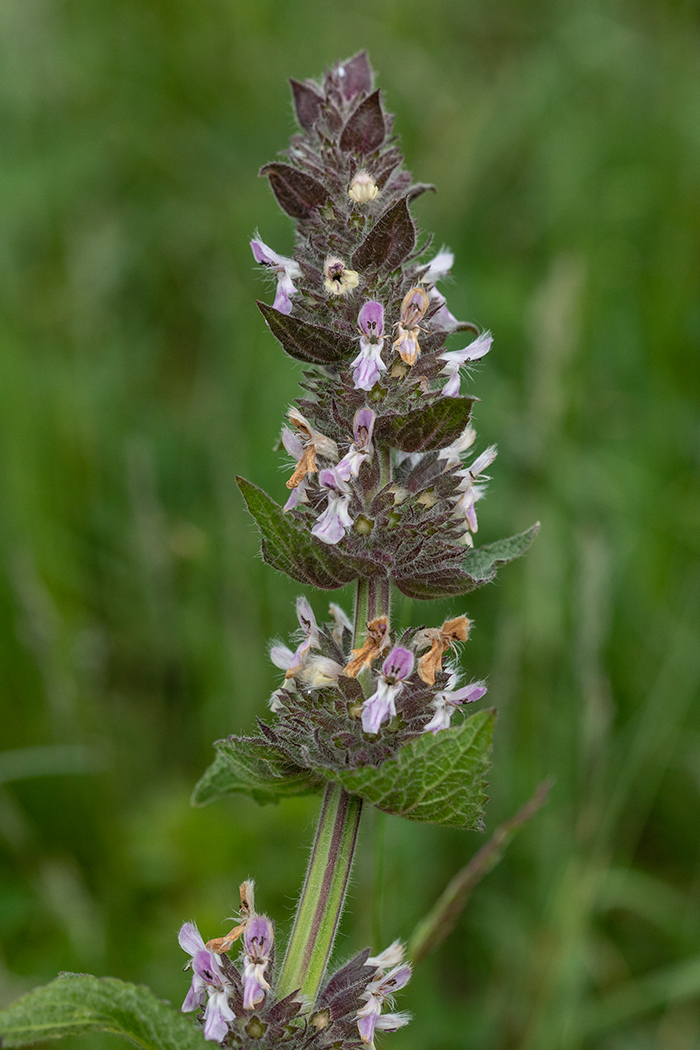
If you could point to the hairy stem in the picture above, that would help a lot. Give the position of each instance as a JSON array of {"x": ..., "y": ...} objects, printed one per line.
[{"x": 323, "y": 894}]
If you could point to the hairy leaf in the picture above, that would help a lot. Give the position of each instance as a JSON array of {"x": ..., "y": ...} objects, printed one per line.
[
  {"x": 434, "y": 779},
  {"x": 389, "y": 242},
  {"x": 77, "y": 1003},
  {"x": 357, "y": 75},
  {"x": 427, "y": 584},
  {"x": 365, "y": 129},
  {"x": 307, "y": 103},
  {"x": 478, "y": 567},
  {"x": 252, "y": 769},
  {"x": 482, "y": 562},
  {"x": 288, "y": 545},
  {"x": 297, "y": 193},
  {"x": 305, "y": 341},
  {"x": 426, "y": 429},
  {"x": 418, "y": 189}
]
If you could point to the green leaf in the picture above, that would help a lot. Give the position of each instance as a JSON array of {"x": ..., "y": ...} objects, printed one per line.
[
  {"x": 77, "y": 1003},
  {"x": 437, "y": 779},
  {"x": 482, "y": 562},
  {"x": 390, "y": 240},
  {"x": 426, "y": 429},
  {"x": 256, "y": 770},
  {"x": 305, "y": 341},
  {"x": 288, "y": 545},
  {"x": 478, "y": 567}
]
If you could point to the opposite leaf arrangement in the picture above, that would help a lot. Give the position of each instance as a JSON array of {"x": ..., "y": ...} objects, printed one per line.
[{"x": 382, "y": 489}]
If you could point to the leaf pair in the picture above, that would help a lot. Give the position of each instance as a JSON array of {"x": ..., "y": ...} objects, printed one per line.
[
  {"x": 436, "y": 779},
  {"x": 288, "y": 545}
]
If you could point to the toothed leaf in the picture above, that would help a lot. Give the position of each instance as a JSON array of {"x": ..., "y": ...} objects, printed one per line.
[
  {"x": 426, "y": 581},
  {"x": 75, "y": 1004},
  {"x": 482, "y": 562},
  {"x": 365, "y": 129},
  {"x": 389, "y": 242},
  {"x": 251, "y": 768},
  {"x": 305, "y": 341},
  {"x": 288, "y": 545},
  {"x": 435, "y": 779},
  {"x": 297, "y": 193},
  {"x": 426, "y": 429},
  {"x": 307, "y": 103}
]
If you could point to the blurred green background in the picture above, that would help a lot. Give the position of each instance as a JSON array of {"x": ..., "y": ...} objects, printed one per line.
[{"x": 137, "y": 378}]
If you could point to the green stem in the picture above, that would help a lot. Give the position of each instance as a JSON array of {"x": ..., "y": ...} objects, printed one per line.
[{"x": 323, "y": 894}]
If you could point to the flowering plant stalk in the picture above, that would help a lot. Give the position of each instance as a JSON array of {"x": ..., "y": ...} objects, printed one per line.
[{"x": 384, "y": 478}]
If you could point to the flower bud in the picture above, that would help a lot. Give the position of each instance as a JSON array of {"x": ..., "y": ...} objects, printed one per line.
[{"x": 363, "y": 188}]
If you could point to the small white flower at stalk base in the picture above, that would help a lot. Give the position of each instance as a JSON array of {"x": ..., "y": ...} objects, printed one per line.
[
  {"x": 470, "y": 491},
  {"x": 381, "y": 706},
  {"x": 368, "y": 364},
  {"x": 448, "y": 700},
  {"x": 455, "y": 359},
  {"x": 378, "y": 992},
  {"x": 363, "y": 188},
  {"x": 361, "y": 449},
  {"x": 335, "y": 519},
  {"x": 286, "y": 270}
]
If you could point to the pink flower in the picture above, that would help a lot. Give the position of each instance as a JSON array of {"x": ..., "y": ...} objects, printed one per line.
[
  {"x": 381, "y": 706},
  {"x": 470, "y": 492},
  {"x": 455, "y": 359},
  {"x": 368, "y": 364},
  {"x": 286, "y": 271},
  {"x": 282, "y": 656},
  {"x": 447, "y": 702},
  {"x": 257, "y": 945},
  {"x": 331, "y": 525},
  {"x": 361, "y": 449},
  {"x": 209, "y": 985},
  {"x": 379, "y": 991}
]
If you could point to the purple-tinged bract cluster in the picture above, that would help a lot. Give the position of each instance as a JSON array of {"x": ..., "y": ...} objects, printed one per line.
[{"x": 356, "y": 301}]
